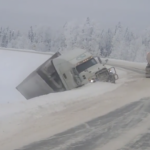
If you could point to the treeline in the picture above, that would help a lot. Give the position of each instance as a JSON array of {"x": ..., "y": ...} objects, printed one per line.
[{"x": 117, "y": 42}]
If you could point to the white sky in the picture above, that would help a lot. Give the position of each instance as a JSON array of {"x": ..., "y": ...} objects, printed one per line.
[{"x": 21, "y": 14}]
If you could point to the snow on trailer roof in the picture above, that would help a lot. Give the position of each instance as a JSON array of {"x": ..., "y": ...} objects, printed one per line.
[
  {"x": 15, "y": 66},
  {"x": 74, "y": 54}
]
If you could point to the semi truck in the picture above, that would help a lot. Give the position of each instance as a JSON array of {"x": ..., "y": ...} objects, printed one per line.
[
  {"x": 66, "y": 72},
  {"x": 148, "y": 65}
]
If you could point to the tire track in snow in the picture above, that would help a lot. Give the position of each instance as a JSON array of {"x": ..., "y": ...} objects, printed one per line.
[
  {"x": 141, "y": 142},
  {"x": 100, "y": 131}
]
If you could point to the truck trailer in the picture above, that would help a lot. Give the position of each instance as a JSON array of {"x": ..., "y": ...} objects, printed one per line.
[{"x": 66, "y": 72}]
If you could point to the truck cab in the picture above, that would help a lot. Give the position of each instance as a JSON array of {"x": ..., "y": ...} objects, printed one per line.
[
  {"x": 87, "y": 69},
  {"x": 63, "y": 72},
  {"x": 77, "y": 67}
]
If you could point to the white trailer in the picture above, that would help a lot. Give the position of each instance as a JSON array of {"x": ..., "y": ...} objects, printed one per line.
[{"x": 65, "y": 72}]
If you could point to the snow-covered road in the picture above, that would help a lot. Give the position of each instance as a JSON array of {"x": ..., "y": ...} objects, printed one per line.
[
  {"x": 111, "y": 128},
  {"x": 126, "y": 128},
  {"x": 24, "y": 122},
  {"x": 119, "y": 120}
]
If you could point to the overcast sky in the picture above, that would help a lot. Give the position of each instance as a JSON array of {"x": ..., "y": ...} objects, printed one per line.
[{"x": 21, "y": 14}]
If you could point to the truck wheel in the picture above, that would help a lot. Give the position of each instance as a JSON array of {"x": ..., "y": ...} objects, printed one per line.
[{"x": 112, "y": 78}]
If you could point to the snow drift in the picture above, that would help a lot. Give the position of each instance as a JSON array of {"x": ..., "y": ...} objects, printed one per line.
[
  {"x": 15, "y": 66},
  {"x": 16, "y": 114}
]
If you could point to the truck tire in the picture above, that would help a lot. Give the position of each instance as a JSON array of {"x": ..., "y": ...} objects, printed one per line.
[{"x": 112, "y": 78}]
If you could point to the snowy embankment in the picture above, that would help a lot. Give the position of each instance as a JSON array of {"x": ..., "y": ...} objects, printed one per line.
[
  {"x": 55, "y": 102},
  {"x": 126, "y": 64},
  {"x": 15, "y": 111},
  {"x": 15, "y": 66},
  {"x": 17, "y": 117}
]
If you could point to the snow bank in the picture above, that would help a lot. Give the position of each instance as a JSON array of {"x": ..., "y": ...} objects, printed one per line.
[
  {"x": 15, "y": 111},
  {"x": 15, "y": 66},
  {"x": 14, "y": 115},
  {"x": 58, "y": 101},
  {"x": 127, "y": 64}
]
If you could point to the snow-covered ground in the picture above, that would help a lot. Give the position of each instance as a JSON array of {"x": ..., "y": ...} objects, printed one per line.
[
  {"x": 16, "y": 117},
  {"x": 57, "y": 101},
  {"x": 15, "y": 110},
  {"x": 127, "y": 64},
  {"x": 15, "y": 66},
  {"x": 22, "y": 119}
]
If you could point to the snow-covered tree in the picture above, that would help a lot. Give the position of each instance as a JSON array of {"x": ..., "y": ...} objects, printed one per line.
[{"x": 118, "y": 42}]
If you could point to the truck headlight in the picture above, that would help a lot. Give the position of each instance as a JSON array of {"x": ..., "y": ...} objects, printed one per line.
[
  {"x": 92, "y": 81},
  {"x": 111, "y": 70}
]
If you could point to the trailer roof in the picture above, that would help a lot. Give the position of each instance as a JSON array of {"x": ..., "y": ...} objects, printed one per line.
[{"x": 72, "y": 55}]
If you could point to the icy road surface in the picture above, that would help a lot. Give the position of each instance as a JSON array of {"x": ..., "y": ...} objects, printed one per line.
[
  {"x": 27, "y": 121},
  {"x": 127, "y": 128},
  {"x": 97, "y": 116},
  {"x": 116, "y": 120}
]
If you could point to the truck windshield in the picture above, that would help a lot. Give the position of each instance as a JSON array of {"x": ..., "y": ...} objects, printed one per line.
[{"x": 86, "y": 65}]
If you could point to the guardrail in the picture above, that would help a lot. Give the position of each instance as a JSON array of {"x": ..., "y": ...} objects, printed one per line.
[{"x": 26, "y": 51}]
